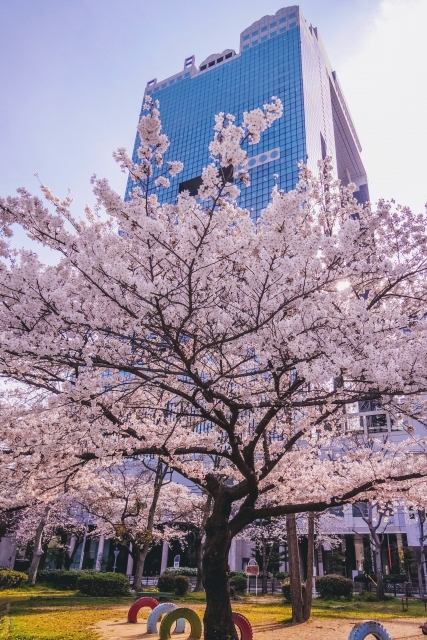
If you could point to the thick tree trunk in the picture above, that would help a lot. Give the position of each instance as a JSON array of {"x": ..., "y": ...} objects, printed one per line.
[
  {"x": 139, "y": 556},
  {"x": 198, "y": 544},
  {"x": 38, "y": 549},
  {"x": 310, "y": 563},
  {"x": 218, "y": 621},
  {"x": 294, "y": 569}
]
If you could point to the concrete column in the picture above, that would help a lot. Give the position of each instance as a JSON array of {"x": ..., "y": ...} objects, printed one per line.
[
  {"x": 232, "y": 555},
  {"x": 358, "y": 549},
  {"x": 129, "y": 568},
  {"x": 100, "y": 551},
  {"x": 165, "y": 552},
  {"x": 320, "y": 560}
]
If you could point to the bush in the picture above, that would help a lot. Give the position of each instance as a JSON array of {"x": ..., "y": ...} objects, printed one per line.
[
  {"x": 238, "y": 582},
  {"x": 60, "y": 578},
  {"x": 182, "y": 571},
  {"x": 166, "y": 582},
  {"x": 281, "y": 575},
  {"x": 103, "y": 584},
  {"x": 334, "y": 586},
  {"x": 286, "y": 589},
  {"x": 182, "y": 584},
  {"x": 10, "y": 579}
]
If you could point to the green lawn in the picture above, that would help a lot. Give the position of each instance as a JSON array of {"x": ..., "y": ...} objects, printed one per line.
[{"x": 40, "y": 613}]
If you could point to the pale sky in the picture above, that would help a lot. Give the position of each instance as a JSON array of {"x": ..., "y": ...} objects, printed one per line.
[{"x": 73, "y": 72}]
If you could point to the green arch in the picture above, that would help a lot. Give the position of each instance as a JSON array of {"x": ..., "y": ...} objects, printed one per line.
[{"x": 173, "y": 616}]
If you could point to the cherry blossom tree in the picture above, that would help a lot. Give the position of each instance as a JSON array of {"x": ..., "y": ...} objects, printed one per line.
[{"x": 189, "y": 332}]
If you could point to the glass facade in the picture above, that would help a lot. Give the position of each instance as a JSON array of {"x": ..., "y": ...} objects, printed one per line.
[{"x": 279, "y": 56}]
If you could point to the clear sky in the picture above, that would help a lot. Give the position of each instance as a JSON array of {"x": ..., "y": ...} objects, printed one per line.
[{"x": 73, "y": 72}]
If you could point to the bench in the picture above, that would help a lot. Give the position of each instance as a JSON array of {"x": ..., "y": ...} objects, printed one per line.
[
  {"x": 405, "y": 602},
  {"x": 161, "y": 596}
]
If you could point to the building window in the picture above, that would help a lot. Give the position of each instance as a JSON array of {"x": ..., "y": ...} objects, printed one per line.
[
  {"x": 282, "y": 30},
  {"x": 292, "y": 25},
  {"x": 264, "y": 29},
  {"x": 245, "y": 47},
  {"x": 273, "y": 24},
  {"x": 203, "y": 67},
  {"x": 211, "y": 64},
  {"x": 254, "y": 42},
  {"x": 264, "y": 38},
  {"x": 228, "y": 55},
  {"x": 282, "y": 20},
  {"x": 246, "y": 37},
  {"x": 187, "y": 75},
  {"x": 273, "y": 33},
  {"x": 292, "y": 15},
  {"x": 254, "y": 33},
  {"x": 220, "y": 59},
  {"x": 360, "y": 509}
]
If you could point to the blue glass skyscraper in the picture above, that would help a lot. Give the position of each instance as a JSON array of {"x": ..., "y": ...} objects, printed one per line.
[{"x": 279, "y": 55}]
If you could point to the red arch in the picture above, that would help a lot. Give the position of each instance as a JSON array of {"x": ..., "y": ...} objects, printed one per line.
[
  {"x": 244, "y": 626},
  {"x": 138, "y": 604}
]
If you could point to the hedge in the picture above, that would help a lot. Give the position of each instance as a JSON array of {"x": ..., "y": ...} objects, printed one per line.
[
  {"x": 103, "y": 584},
  {"x": 182, "y": 571},
  {"x": 10, "y": 579},
  {"x": 286, "y": 589},
  {"x": 178, "y": 584},
  {"x": 60, "y": 578},
  {"x": 239, "y": 582},
  {"x": 333, "y": 586}
]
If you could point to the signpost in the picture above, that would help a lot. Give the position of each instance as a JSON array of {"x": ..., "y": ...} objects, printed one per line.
[
  {"x": 176, "y": 562},
  {"x": 252, "y": 569},
  {"x": 116, "y": 553}
]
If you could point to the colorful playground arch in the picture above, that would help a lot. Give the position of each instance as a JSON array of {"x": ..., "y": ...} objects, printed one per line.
[
  {"x": 181, "y": 613},
  {"x": 159, "y": 611},
  {"x": 152, "y": 603},
  {"x": 244, "y": 625},
  {"x": 362, "y": 630}
]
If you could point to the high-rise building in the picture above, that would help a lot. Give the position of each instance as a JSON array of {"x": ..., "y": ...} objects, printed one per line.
[{"x": 281, "y": 56}]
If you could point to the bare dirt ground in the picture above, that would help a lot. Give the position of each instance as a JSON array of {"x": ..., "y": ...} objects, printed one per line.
[{"x": 317, "y": 629}]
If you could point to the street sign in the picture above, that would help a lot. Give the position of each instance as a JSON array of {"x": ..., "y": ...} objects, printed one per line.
[
  {"x": 252, "y": 568},
  {"x": 176, "y": 562}
]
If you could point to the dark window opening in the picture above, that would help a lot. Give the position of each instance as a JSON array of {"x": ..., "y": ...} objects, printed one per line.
[
  {"x": 323, "y": 146},
  {"x": 191, "y": 185},
  {"x": 228, "y": 55},
  {"x": 227, "y": 173},
  {"x": 362, "y": 195},
  {"x": 211, "y": 64},
  {"x": 220, "y": 59},
  {"x": 203, "y": 67},
  {"x": 360, "y": 509}
]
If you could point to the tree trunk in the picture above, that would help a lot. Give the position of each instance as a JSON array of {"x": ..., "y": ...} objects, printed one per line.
[
  {"x": 139, "y": 556},
  {"x": 218, "y": 621},
  {"x": 310, "y": 563},
  {"x": 294, "y": 569},
  {"x": 198, "y": 544},
  {"x": 379, "y": 570},
  {"x": 38, "y": 549},
  {"x": 264, "y": 567}
]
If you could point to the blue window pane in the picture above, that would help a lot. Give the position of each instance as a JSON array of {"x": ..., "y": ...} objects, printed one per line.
[
  {"x": 273, "y": 33},
  {"x": 292, "y": 15},
  {"x": 245, "y": 47},
  {"x": 283, "y": 29},
  {"x": 273, "y": 24},
  {"x": 254, "y": 33},
  {"x": 264, "y": 29},
  {"x": 264, "y": 38},
  {"x": 254, "y": 42},
  {"x": 292, "y": 25},
  {"x": 282, "y": 20},
  {"x": 246, "y": 37}
]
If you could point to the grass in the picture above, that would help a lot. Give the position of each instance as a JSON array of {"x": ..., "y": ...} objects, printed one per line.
[{"x": 43, "y": 613}]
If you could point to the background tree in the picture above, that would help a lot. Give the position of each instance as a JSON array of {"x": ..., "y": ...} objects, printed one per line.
[{"x": 218, "y": 336}]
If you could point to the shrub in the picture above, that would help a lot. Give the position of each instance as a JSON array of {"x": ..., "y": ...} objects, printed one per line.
[
  {"x": 238, "y": 582},
  {"x": 166, "y": 582},
  {"x": 334, "y": 586},
  {"x": 281, "y": 575},
  {"x": 10, "y": 579},
  {"x": 103, "y": 584},
  {"x": 286, "y": 589},
  {"x": 182, "y": 585},
  {"x": 60, "y": 578},
  {"x": 182, "y": 571}
]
